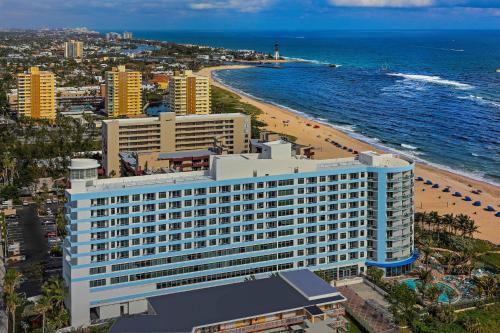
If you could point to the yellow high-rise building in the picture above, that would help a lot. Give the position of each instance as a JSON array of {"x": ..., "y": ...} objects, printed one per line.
[
  {"x": 123, "y": 93},
  {"x": 73, "y": 49},
  {"x": 189, "y": 93},
  {"x": 36, "y": 94}
]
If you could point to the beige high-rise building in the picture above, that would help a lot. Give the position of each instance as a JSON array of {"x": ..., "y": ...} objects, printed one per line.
[
  {"x": 169, "y": 133},
  {"x": 73, "y": 49},
  {"x": 189, "y": 93},
  {"x": 123, "y": 94},
  {"x": 36, "y": 94},
  {"x": 127, "y": 35}
]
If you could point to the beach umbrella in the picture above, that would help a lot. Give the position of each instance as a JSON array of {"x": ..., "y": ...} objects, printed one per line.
[
  {"x": 490, "y": 209},
  {"x": 446, "y": 190},
  {"x": 457, "y": 194},
  {"x": 419, "y": 179},
  {"x": 428, "y": 182},
  {"x": 497, "y": 214},
  {"x": 467, "y": 198},
  {"x": 435, "y": 186},
  {"x": 477, "y": 203}
]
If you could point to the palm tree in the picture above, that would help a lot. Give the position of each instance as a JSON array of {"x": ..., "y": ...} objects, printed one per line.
[
  {"x": 427, "y": 251},
  {"x": 448, "y": 220},
  {"x": 433, "y": 219},
  {"x": 447, "y": 259},
  {"x": 12, "y": 300},
  {"x": 471, "y": 325},
  {"x": 487, "y": 285},
  {"x": 424, "y": 277},
  {"x": 11, "y": 279},
  {"x": 43, "y": 305},
  {"x": 462, "y": 221},
  {"x": 472, "y": 228},
  {"x": 55, "y": 291}
]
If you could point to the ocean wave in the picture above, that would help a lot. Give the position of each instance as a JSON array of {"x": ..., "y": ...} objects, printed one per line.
[
  {"x": 375, "y": 142},
  {"x": 480, "y": 100},
  {"x": 407, "y": 146},
  {"x": 318, "y": 62},
  {"x": 432, "y": 79}
]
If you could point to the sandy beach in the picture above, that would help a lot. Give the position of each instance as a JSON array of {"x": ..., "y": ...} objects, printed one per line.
[{"x": 427, "y": 199}]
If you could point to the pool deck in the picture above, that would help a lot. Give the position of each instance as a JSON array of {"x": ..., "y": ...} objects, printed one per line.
[{"x": 366, "y": 292}]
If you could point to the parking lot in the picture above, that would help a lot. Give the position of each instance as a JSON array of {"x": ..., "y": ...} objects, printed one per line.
[{"x": 30, "y": 237}]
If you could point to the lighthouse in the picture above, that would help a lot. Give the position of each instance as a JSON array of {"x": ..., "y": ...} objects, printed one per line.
[{"x": 276, "y": 51}]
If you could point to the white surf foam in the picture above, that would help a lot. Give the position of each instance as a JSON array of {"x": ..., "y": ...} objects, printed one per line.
[
  {"x": 432, "y": 79},
  {"x": 407, "y": 146},
  {"x": 318, "y": 62},
  {"x": 481, "y": 100},
  {"x": 351, "y": 131}
]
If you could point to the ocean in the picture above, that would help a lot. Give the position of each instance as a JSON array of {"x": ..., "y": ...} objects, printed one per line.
[{"x": 432, "y": 95}]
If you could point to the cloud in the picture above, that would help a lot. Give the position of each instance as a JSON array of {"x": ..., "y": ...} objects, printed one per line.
[
  {"x": 382, "y": 3},
  {"x": 245, "y": 6}
]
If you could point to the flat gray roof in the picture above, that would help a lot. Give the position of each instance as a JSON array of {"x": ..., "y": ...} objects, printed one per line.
[
  {"x": 188, "y": 153},
  {"x": 308, "y": 285},
  {"x": 181, "y": 312}
]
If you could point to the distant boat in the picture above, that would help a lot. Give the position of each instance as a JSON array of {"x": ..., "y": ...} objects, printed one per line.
[{"x": 332, "y": 65}]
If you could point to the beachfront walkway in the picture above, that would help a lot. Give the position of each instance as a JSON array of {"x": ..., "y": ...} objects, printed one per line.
[{"x": 365, "y": 308}]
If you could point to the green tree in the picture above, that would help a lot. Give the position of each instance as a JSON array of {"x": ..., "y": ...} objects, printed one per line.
[
  {"x": 446, "y": 314},
  {"x": 471, "y": 325},
  {"x": 424, "y": 278},
  {"x": 402, "y": 302},
  {"x": 375, "y": 274},
  {"x": 42, "y": 307},
  {"x": 12, "y": 301},
  {"x": 432, "y": 293}
]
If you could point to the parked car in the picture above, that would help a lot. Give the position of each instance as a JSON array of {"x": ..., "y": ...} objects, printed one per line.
[{"x": 48, "y": 201}]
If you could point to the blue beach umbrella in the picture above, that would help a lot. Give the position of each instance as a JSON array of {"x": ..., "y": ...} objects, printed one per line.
[
  {"x": 497, "y": 214},
  {"x": 435, "y": 186},
  {"x": 447, "y": 189},
  {"x": 457, "y": 194},
  {"x": 477, "y": 203},
  {"x": 490, "y": 208},
  {"x": 428, "y": 182},
  {"x": 467, "y": 198},
  {"x": 419, "y": 179}
]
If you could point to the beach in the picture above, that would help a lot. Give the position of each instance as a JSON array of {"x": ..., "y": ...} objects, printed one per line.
[{"x": 426, "y": 198}]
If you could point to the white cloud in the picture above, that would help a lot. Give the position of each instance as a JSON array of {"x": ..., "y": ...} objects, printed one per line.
[
  {"x": 248, "y": 6},
  {"x": 382, "y": 3}
]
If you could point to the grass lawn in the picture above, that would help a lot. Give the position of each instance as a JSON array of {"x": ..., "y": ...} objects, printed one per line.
[
  {"x": 488, "y": 317},
  {"x": 491, "y": 261},
  {"x": 225, "y": 101}
]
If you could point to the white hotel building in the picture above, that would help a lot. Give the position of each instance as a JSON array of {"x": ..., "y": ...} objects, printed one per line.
[{"x": 248, "y": 215}]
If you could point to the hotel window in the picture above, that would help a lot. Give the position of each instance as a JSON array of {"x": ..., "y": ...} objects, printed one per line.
[
  {"x": 162, "y": 195},
  {"x": 97, "y": 283},
  {"x": 136, "y": 197}
]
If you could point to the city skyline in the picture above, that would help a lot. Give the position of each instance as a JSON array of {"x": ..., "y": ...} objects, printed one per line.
[{"x": 253, "y": 14}]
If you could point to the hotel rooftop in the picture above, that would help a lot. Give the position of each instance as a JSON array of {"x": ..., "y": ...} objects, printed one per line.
[
  {"x": 290, "y": 291},
  {"x": 275, "y": 159}
]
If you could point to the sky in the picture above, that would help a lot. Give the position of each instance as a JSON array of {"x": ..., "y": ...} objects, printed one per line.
[{"x": 250, "y": 14}]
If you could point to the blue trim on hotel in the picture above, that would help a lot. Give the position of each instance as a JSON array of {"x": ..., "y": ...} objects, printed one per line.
[{"x": 404, "y": 262}]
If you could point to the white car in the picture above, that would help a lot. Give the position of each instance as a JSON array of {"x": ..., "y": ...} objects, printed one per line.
[
  {"x": 48, "y": 201},
  {"x": 25, "y": 203}
]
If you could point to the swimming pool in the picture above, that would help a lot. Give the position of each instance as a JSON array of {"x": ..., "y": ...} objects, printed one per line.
[{"x": 443, "y": 297}]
